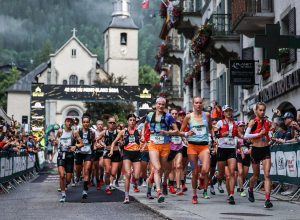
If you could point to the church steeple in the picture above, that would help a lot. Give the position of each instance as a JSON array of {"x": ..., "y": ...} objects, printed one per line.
[{"x": 121, "y": 8}]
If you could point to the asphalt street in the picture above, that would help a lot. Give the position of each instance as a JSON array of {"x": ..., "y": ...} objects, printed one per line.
[{"x": 38, "y": 199}]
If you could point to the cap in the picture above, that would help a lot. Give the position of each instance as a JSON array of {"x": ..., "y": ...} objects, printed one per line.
[
  {"x": 288, "y": 115},
  {"x": 241, "y": 123},
  {"x": 226, "y": 107},
  {"x": 69, "y": 118}
]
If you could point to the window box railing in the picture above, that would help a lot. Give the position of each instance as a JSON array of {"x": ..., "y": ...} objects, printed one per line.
[{"x": 221, "y": 24}]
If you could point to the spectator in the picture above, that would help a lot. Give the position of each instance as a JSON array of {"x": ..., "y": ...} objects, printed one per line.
[
  {"x": 292, "y": 128},
  {"x": 216, "y": 111}
]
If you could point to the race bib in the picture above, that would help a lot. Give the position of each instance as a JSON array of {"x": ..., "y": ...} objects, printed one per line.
[
  {"x": 131, "y": 139},
  {"x": 229, "y": 141},
  {"x": 86, "y": 148},
  {"x": 157, "y": 139},
  {"x": 176, "y": 140},
  {"x": 200, "y": 130}
]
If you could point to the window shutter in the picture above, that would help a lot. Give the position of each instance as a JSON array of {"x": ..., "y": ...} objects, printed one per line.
[{"x": 292, "y": 31}]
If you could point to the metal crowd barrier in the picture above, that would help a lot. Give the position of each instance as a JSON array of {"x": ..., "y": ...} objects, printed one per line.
[
  {"x": 15, "y": 169},
  {"x": 285, "y": 168}
]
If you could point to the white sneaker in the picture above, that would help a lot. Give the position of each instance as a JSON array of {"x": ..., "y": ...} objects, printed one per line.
[{"x": 63, "y": 199}]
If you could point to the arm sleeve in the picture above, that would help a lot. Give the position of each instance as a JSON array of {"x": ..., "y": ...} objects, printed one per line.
[{"x": 248, "y": 135}]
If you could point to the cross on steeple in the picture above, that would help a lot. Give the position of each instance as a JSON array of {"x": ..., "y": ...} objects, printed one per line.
[
  {"x": 272, "y": 41},
  {"x": 74, "y": 32}
]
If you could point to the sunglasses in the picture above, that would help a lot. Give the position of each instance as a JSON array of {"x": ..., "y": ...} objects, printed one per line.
[{"x": 111, "y": 122}]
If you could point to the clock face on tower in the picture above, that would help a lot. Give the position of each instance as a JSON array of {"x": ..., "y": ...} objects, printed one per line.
[{"x": 123, "y": 50}]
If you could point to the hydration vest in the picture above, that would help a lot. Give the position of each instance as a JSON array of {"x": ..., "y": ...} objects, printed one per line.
[
  {"x": 258, "y": 126},
  {"x": 110, "y": 137},
  {"x": 127, "y": 135},
  {"x": 225, "y": 128},
  {"x": 163, "y": 125}
]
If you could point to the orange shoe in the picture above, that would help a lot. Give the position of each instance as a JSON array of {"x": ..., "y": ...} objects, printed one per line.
[
  {"x": 108, "y": 192},
  {"x": 195, "y": 200}
]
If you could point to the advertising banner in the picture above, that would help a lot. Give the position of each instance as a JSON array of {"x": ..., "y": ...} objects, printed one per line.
[{"x": 291, "y": 160}]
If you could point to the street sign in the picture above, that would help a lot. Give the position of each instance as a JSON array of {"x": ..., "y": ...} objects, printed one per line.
[
  {"x": 272, "y": 41},
  {"x": 242, "y": 72}
]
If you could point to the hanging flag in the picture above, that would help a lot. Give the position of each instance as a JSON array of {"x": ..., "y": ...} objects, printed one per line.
[{"x": 146, "y": 4}]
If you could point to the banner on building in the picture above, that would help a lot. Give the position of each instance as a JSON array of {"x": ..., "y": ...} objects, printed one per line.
[{"x": 242, "y": 72}]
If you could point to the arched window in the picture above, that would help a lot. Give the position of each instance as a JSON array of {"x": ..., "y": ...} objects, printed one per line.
[
  {"x": 65, "y": 82},
  {"x": 73, "y": 80},
  {"x": 123, "y": 39},
  {"x": 73, "y": 113}
]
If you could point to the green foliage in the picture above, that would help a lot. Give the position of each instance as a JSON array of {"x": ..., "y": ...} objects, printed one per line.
[
  {"x": 147, "y": 75},
  {"x": 103, "y": 110},
  {"x": 30, "y": 29},
  {"x": 6, "y": 80}
]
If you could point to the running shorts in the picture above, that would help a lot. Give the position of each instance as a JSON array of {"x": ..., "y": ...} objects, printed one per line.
[
  {"x": 115, "y": 158},
  {"x": 246, "y": 161},
  {"x": 80, "y": 158},
  {"x": 145, "y": 156},
  {"x": 225, "y": 154},
  {"x": 66, "y": 160},
  {"x": 133, "y": 156},
  {"x": 260, "y": 153},
  {"x": 163, "y": 149},
  {"x": 197, "y": 149},
  {"x": 173, "y": 154}
]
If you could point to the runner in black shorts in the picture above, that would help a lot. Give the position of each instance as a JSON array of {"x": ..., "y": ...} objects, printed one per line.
[
  {"x": 132, "y": 154},
  {"x": 65, "y": 159},
  {"x": 85, "y": 155},
  {"x": 111, "y": 162},
  {"x": 258, "y": 131},
  {"x": 98, "y": 156},
  {"x": 243, "y": 158}
]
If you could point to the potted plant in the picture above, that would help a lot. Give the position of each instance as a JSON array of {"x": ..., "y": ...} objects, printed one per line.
[
  {"x": 265, "y": 69},
  {"x": 284, "y": 55}
]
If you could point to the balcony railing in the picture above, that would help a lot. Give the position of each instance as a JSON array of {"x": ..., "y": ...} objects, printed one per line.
[
  {"x": 174, "y": 44},
  {"x": 221, "y": 24},
  {"x": 188, "y": 6},
  {"x": 259, "y": 6}
]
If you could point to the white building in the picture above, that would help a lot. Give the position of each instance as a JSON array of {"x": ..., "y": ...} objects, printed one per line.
[{"x": 75, "y": 64}]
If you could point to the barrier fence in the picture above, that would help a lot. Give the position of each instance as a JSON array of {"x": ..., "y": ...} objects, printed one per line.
[
  {"x": 14, "y": 167},
  {"x": 285, "y": 166}
]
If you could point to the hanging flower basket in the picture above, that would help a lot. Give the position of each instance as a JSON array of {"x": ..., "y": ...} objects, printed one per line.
[
  {"x": 163, "y": 10},
  {"x": 265, "y": 69},
  {"x": 163, "y": 50},
  {"x": 201, "y": 39}
]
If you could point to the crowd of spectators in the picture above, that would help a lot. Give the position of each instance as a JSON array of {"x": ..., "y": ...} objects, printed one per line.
[{"x": 15, "y": 140}]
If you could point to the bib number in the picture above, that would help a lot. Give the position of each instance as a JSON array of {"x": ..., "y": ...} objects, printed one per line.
[
  {"x": 229, "y": 141},
  {"x": 200, "y": 131},
  {"x": 176, "y": 140},
  {"x": 86, "y": 149},
  {"x": 156, "y": 139},
  {"x": 131, "y": 139}
]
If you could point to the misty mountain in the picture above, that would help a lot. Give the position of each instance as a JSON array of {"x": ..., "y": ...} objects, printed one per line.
[{"x": 30, "y": 29}]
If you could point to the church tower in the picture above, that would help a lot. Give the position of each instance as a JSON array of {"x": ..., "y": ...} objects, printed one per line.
[{"x": 121, "y": 44}]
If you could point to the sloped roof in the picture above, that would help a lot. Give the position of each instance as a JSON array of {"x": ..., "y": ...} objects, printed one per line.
[
  {"x": 126, "y": 23},
  {"x": 24, "y": 84},
  {"x": 79, "y": 42}
]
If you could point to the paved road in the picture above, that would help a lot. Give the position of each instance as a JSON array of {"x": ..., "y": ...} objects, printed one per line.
[{"x": 39, "y": 200}]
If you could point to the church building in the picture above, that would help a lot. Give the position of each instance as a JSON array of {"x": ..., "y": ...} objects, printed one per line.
[{"x": 75, "y": 64}]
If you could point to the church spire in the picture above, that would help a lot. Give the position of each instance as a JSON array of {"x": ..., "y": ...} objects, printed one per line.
[{"x": 121, "y": 8}]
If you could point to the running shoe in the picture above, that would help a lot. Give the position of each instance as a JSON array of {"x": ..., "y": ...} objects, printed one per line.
[
  {"x": 126, "y": 200},
  {"x": 172, "y": 190},
  {"x": 195, "y": 200},
  {"x": 112, "y": 188},
  {"x": 165, "y": 190},
  {"x": 149, "y": 196},
  {"x": 214, "y": 180},
  {"x": 205, "y": 195},
  {"x": 231, "y": 200},
  {"x": 220, "y": 188},
  {"x": 136, "y": 190},
  {"x": 160, "y": 197},
  {"x": 184, "y": 188},
  {"x": 63, "y": 199},
  {"x": 144, "y": 184},
  {"x": 212, "y": 190},
  {"x": 238, "y": 190},
  {"x": 243, "y": 194},
  {"x": 179, "y": 192},
  {"x": 251, "y": 196},
  {"x": 268, "y": 204},
  {"x": 84, "y": 195},
  {"x": 73, "y": 184},
  {"x": 117, "y": 184},
  {"x": 58, "y": 189},
  {"x": 140, "y": 182},
  {"x": 108, "y": 192}
]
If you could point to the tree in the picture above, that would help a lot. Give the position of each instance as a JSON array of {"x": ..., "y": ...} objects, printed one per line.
[
  {"x": 6, "y": 80},
  {"x": 103, "y": 110},
  {"x": 147, "y": 75}
]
